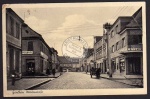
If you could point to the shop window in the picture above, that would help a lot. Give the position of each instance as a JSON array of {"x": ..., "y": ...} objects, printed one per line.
[
  {"x": 30, "y": 46},
  {"x": 134, "y": 65}
]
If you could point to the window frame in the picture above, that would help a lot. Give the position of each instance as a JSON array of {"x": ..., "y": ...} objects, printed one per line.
[
  {"x": 30, "y": 47},
  {"x": 17, "y": 30},
  {"x": 11, "y": 26}
]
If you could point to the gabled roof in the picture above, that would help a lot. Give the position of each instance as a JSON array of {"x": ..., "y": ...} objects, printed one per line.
[
  {"x": 97, "y": 38},
  {"x": 12, "y": 12},
  {"x": 63, "y": 60},
  {"x": 90, "y": 52},
  {"x": 136, "y": 19}
]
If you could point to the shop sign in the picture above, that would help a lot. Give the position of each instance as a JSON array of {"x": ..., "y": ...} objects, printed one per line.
[
  {"x": 27, "y": 52},
  {"x": 134, "y": 49}
]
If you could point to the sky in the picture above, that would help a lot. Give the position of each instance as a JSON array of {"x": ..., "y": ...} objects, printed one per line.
[{"x": 57, "y": 22}]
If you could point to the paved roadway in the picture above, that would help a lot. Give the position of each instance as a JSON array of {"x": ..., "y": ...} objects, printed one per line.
[{"x": 80, "y": 80}]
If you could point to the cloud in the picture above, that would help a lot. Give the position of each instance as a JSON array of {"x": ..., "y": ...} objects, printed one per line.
[
  {"x": 36, "y": 23},
  {"x": 73, "y": 25}
]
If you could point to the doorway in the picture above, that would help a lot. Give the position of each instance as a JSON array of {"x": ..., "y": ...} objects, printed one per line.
[
  {"x": 134, "y": 65},
  {"x": 30, "y": 63}
]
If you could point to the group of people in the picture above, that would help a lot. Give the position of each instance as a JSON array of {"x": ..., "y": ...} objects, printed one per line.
[{"x": 94, "y": 71}]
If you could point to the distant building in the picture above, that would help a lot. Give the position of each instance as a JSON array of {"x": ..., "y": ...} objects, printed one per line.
[
  {"x": 65, "y": 63},
  {"x": 55, "y": 61},
  {"x": 35, "y": 52},
  {"x": 13, "y": 41},
  {"x": 75, "y": 64}
]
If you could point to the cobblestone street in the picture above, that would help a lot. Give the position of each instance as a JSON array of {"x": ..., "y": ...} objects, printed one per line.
[{"x": 78, "y": 80}]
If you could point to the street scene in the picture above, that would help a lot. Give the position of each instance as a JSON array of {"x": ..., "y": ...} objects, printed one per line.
[
  {"x": 81, "y": 81},
  {"x": 51, "y": 48}
]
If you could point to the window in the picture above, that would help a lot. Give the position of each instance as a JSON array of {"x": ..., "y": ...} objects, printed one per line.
[
  {"x": 117, "y": 46},
  {"x": 134, "y": 39},
  {"x": 11, "y": 26},
  {"x": 109, "y": 36},
  {"x": 7, "y": 23},
  {"x": 30, "y": 46},
  {"x": 112, "y": 33},
  {"x": 117, "y": 29},
  {"x": 113, "y": 49},
  {"x": 123, "y": 42},
  {"x": 17, "y": 30}
]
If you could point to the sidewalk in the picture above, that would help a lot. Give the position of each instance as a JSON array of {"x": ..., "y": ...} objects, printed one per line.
[
  {"x": 133, "y": 80},
  {"x": 46, "y": 76},
  {"x": 27, "y": 83}
]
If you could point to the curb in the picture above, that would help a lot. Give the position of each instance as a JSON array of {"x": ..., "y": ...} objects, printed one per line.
[
  {"x": 40, "y": 76},
  {"x": 39, "y": 84}
]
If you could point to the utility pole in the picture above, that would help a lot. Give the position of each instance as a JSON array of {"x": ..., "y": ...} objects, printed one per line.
[{"x": 107, "y": 26}]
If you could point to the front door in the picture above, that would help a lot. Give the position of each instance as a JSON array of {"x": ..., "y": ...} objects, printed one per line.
[{"x": 30, "y": 67}]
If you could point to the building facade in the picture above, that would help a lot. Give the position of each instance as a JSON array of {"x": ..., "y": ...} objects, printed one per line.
[
  {"x": 89, "y": 59},
  {"x": 125, "y": 44},
  {"x": 65, "y": 64},
  {"x": 13, "y": 41},
  {"x": 35, "y": 53},
  {"x": 75, "y": 64},
  {"x": 100, "y": 53}
]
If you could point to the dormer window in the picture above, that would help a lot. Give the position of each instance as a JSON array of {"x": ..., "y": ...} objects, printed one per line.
[{"x": 27, "y": 31}]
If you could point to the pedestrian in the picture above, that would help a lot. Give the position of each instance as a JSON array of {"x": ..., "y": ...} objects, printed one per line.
[
  {"x": 47, "y": 71},
  {"x": 53, "y": 72},
  {"x": 107, "y": 71},
  {"x": 98, "y": 73},
  {"x": 13, "y": 76},
  {"x": 91, "y": 71},
  {"x": 61, "y": 70}
]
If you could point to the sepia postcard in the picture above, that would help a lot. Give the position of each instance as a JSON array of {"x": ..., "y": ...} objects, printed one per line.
[{"x": 74, "y": 49}]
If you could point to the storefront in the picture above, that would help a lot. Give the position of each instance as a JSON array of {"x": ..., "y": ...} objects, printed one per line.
[
  {"x": 134, "y": 65},
  {"x": 122, "y": 65},
  {"x": 30, "y": 63}
]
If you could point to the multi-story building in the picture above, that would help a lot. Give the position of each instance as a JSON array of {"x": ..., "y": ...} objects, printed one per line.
[
  {"x": 13, "y": 41},
  {"x": 125, "y": 44},
  {"x": 100, "y": 52},
  {"x": 55, "y": 62},
  {"x": 35, "y": 52},
  {"x": 89, "y": 59}
]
